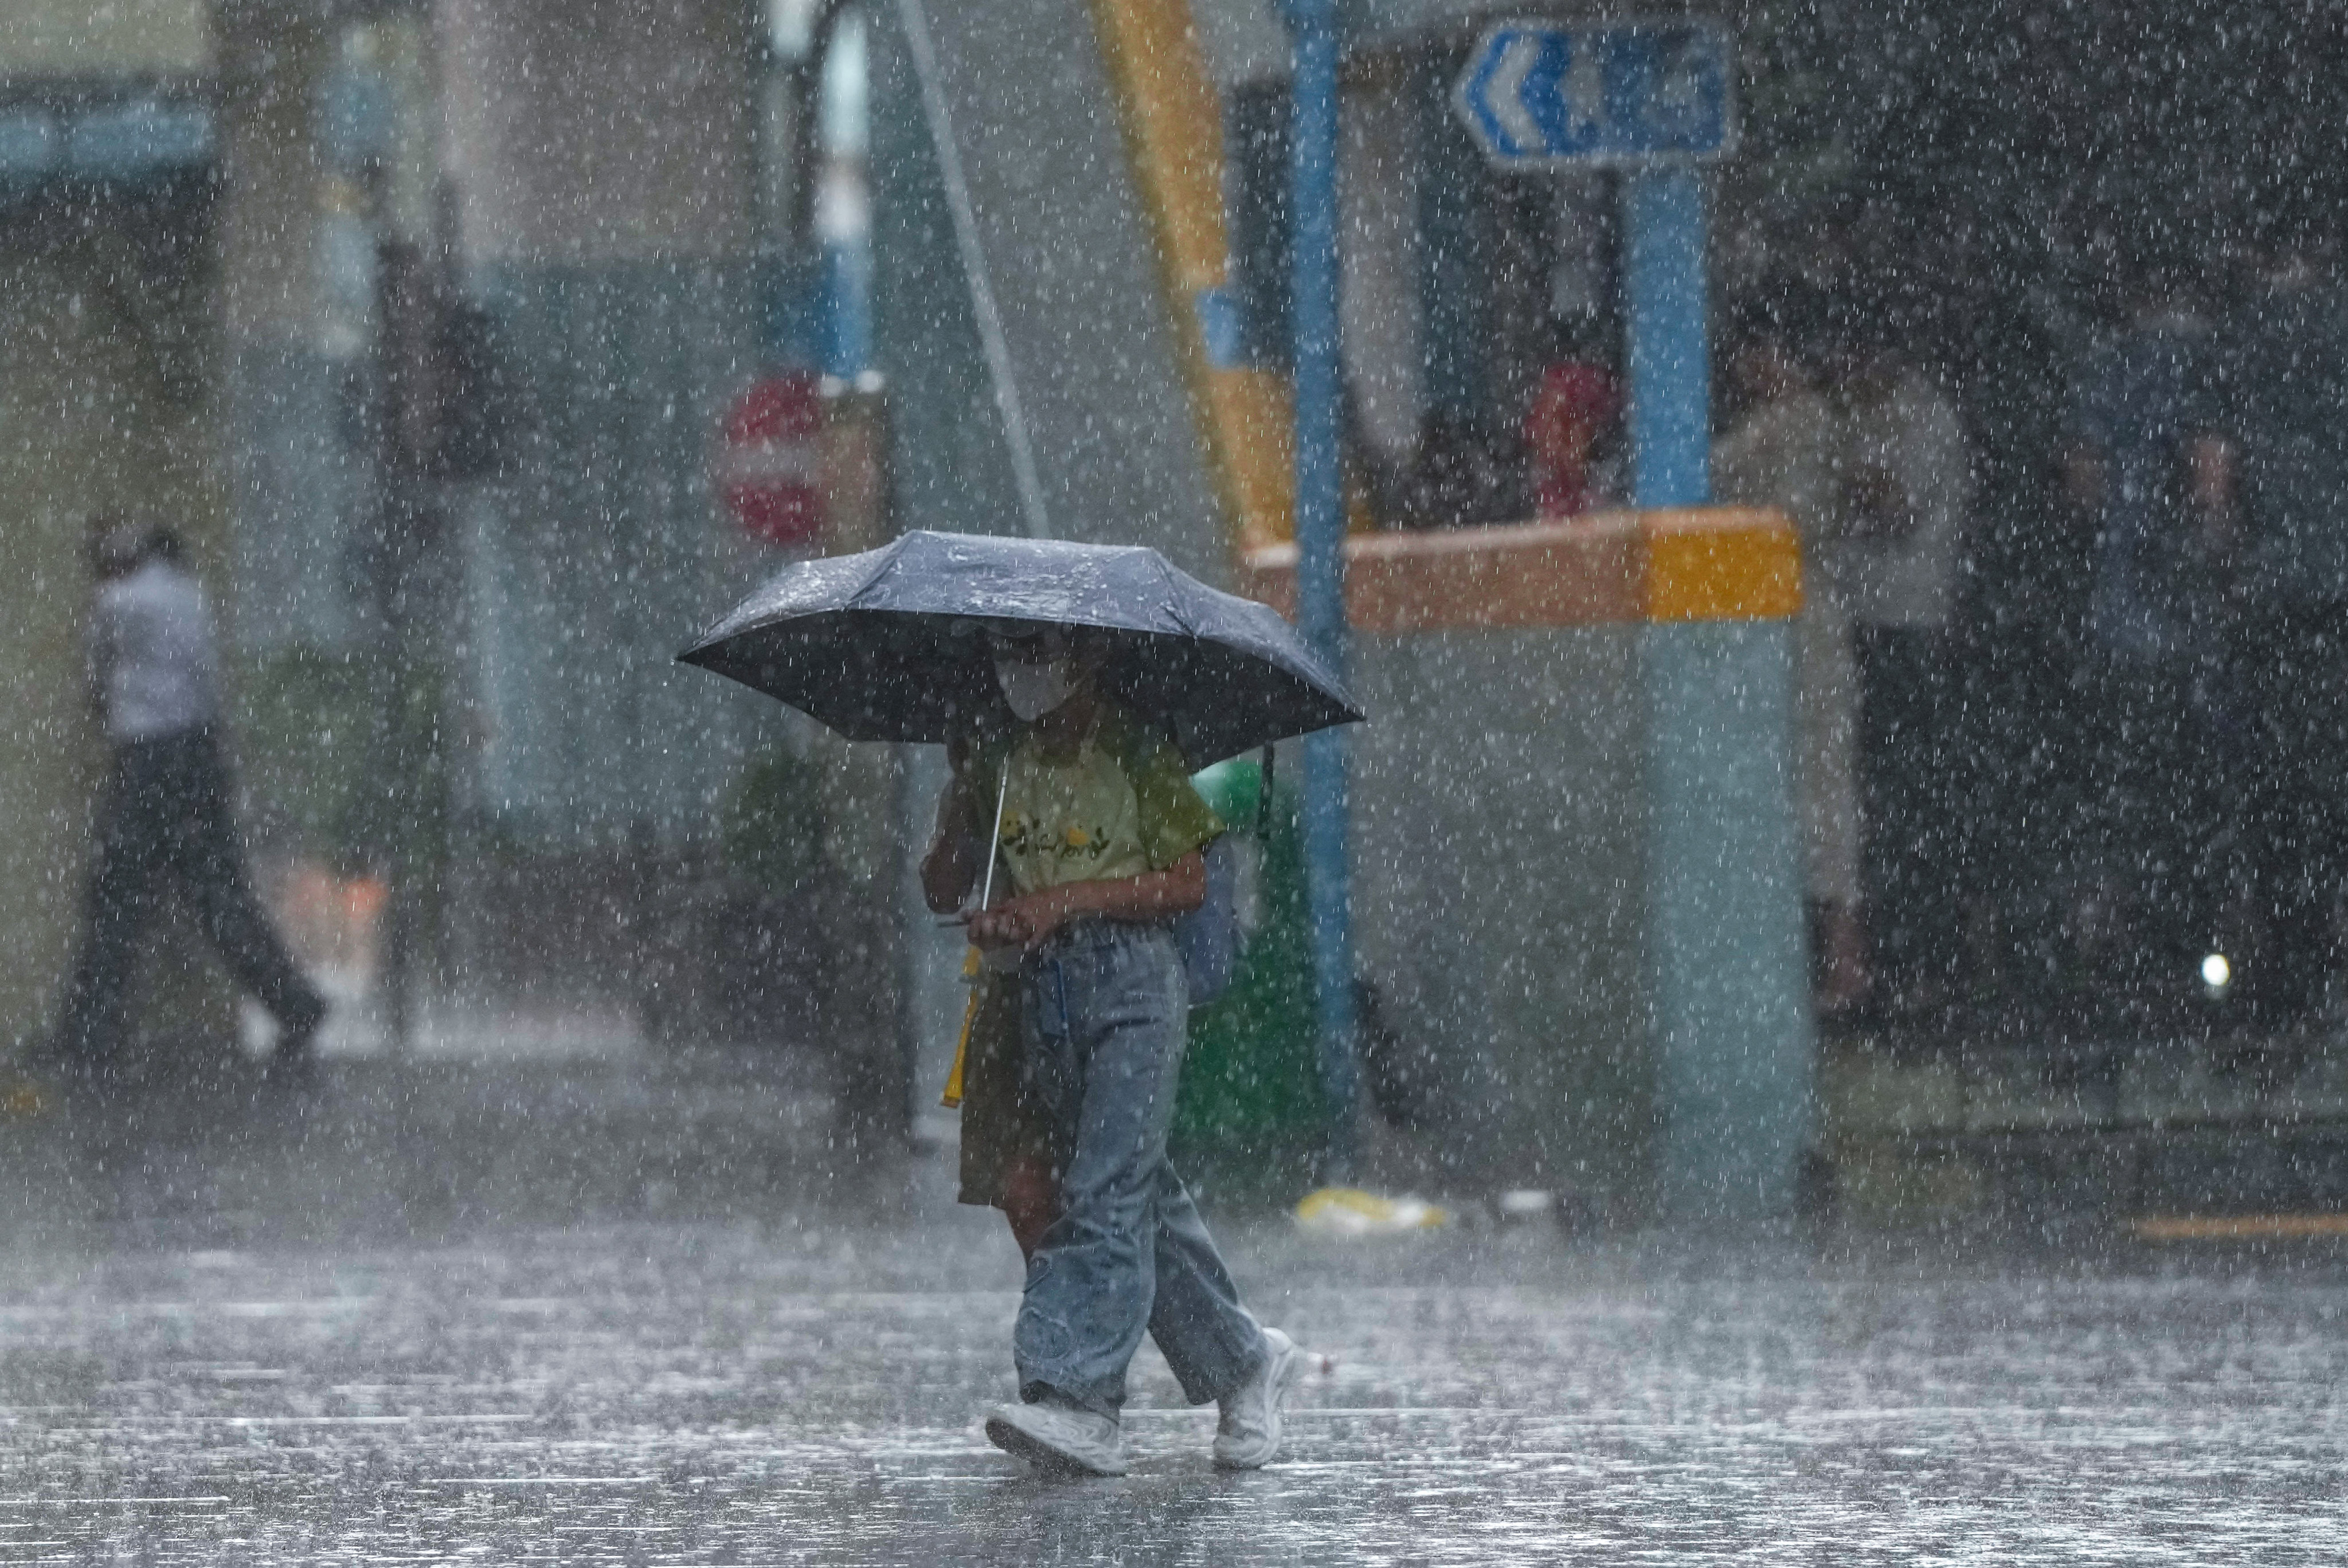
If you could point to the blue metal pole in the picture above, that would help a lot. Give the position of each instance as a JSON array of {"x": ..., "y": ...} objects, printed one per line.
[
  {"x": 1320, "y": 540},
  {"x": 1671, "y": 370}
]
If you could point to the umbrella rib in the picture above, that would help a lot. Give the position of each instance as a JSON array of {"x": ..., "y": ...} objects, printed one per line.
[
  {"x": 883, "y": 558},
  {"x": 1174, "y": 594}
]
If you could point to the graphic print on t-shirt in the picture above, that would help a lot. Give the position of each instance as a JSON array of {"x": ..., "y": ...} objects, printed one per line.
[{"x": 1070, "y": 819}]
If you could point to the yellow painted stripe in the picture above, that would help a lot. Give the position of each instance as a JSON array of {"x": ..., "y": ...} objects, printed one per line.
[
  {"x": 2240, "y": 1227},
  {"x": 1173, "y": 125},
  {"x": 1173, "y": 130},
  {"x": 1253, "y": 433},
  {"x": 1707, "y": 563}
]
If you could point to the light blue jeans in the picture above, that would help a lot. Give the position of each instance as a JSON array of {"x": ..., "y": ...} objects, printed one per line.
[{"x": 1105, "y": 1013}]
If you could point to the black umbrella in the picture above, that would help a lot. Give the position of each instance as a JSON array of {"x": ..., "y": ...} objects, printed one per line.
[{"x": 887, "y": 645}]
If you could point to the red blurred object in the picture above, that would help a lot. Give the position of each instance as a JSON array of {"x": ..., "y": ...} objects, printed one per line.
[
  {"x": 769, "y": 466},
  {"x": 1575, "y": 406}
]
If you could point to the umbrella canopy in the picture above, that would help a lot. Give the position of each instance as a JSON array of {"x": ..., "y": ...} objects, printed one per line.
[{"x": 887, "y": 645}]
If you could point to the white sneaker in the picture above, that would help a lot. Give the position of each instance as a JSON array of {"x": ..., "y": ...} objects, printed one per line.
[
  {"x": 1248, "y": 1433},
  {"x": 1059, "y": 1437}
]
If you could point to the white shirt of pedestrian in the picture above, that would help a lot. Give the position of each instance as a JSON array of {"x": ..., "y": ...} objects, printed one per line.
[{"x": 152, "y": 657}]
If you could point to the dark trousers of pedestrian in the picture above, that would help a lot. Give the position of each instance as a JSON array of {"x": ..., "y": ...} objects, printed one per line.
[
  {"x": 2296, "y": 663},
  {"x": 1906, "y": 804},
  {"x": 164, "y": 826},
  {"x": 2159, "y": 733}
]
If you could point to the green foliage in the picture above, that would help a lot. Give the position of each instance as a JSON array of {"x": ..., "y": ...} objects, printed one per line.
[
  {"x": 342, "y": 749},
  {"x": 306, "y": 745},
  {"x": 774, "y": 820}
]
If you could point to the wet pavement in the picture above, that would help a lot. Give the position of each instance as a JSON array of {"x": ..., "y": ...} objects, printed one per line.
[{"x": 353, "y": 1335}]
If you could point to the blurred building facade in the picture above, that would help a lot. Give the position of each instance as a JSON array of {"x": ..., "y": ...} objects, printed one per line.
[
  {"x": 421, "y": 320},
  {"x": 109, "y": 145}
]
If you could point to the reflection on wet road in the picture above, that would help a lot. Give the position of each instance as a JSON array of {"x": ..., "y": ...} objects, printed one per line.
[{"x": 807, "y": 1392}]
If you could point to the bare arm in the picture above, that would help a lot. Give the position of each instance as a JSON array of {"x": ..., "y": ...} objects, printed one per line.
[
  {"x": 957, "y": 852},
  {"x": 1152, "y": 896},
  {"x": 950, "y": 870}
]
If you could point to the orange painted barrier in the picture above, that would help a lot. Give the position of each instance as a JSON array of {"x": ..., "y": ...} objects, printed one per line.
[
  {"x": 1697, "y": 563},
  {"x": 2241, "y": 1227}
]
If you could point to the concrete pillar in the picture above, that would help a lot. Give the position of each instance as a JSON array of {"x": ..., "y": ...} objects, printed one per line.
[
  {"x": 619, "y": 132},
  {"x": 950, "y": 463},
  {"x": 1019, "y": 258},
  {"x": 107, "y": 410},
  {"x": 1385, "y": 335},
  {"x": 270, "y": 65},
  {"x": 295, "y": 486},
  {"x": 1732, "y": 1040},
  {"x": 96, "y": 421},
  {"x": 602, "y": 161}
]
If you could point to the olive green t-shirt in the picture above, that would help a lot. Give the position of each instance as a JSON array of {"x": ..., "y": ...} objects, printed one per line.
[{"x": 1121, "y": 805}]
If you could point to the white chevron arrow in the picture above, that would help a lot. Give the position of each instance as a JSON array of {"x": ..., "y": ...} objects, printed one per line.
[{"x": 1504, "y": 95}]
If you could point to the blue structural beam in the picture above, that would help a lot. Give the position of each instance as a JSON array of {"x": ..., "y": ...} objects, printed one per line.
[
  {"x": 1320, "y": 541},
  {"x": 1671, "y": 367},
  {"x": 1732, "y": 1025}
]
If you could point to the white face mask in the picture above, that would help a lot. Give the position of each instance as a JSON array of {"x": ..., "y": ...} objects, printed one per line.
[{"x": 1033, "y": 687}]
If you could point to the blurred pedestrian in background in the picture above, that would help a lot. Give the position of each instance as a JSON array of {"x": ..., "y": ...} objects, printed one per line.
[
  {"x": 1460, "y": 477},
  {"x": 1904, "y": 494},
  {"x": 1570, "y": 425},
  {"x": 2285, "y": 416},
  {"x": 1781, "y": 451},
  {"x": 164, "y": 818},
  {"x": 2142, "y": 466}
]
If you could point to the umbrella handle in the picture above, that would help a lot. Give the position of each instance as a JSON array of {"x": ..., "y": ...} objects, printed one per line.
[
  {"x": 995, "y": 836},
  {"x": 1263, "y": 799}
]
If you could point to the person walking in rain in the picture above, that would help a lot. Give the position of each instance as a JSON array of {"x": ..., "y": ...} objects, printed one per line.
[
  {"x": 164, "y": 816},
  {"x": 1783, "y": 451},
  {"x": 1074, "y": 1056},
  {"x": 1074, "y": 687}
]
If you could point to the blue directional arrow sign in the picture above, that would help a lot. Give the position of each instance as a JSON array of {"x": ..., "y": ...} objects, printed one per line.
[{"x": 1624, "y": 93}]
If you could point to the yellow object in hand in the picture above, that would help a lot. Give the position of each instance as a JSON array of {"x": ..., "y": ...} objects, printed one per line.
[{"x": 952, "y": 1098}]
